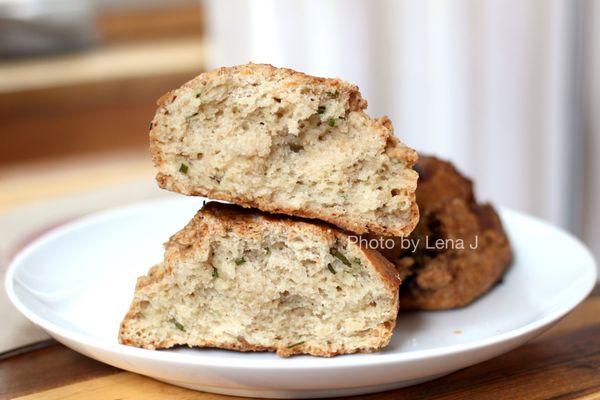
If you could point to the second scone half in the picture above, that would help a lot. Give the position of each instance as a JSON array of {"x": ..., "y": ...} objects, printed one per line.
[
  {"x": 242, "y": 280},
  {"x": 285, "y": 142}
]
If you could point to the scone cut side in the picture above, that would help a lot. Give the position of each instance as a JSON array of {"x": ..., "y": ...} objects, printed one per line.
[
  {"x": 241, "y": 280},
  {"x": 285, "y": 142}
]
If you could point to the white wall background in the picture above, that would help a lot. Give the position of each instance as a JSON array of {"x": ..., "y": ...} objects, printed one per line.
[
  {"x": 590, "y": 223},
  {"x": 504, "y": 88}
]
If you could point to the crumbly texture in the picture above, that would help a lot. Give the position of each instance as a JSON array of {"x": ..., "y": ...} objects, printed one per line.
[
  {"x": 451, "y": 276},
  {"x": 285, "y": 142},
  {"x": 242, "y": 280}
]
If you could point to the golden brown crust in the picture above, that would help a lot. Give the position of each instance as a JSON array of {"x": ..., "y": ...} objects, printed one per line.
[
  {"x": 244, "y": 346},
  {"x": 394, "y": 149},
  {"x": 295, "y": 78},
  {"x": 440, "y": 181},
  {"x": 385, "y": 268},
  {"x": 452, "y": 276},
  {"x": 248, "y": 222}
]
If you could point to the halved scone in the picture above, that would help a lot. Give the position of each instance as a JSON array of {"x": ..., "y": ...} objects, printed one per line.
[
  {"x": 285, "y": 142},
  {"x": 242, "y": 280}
]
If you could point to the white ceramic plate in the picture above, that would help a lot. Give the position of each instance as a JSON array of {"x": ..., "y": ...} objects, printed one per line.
[{"x": 76, "y": 283}]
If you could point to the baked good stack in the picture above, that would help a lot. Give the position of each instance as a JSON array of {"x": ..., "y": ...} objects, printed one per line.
[{"x": 278, "y": 142}]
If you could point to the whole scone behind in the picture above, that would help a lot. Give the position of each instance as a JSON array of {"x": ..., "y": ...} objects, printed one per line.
[{"x": 476, "y": 250}]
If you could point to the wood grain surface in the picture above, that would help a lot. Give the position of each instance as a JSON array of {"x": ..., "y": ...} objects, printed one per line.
[{"x": 563, "y": 363}]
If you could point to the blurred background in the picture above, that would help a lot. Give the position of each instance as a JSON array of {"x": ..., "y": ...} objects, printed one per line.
[{"x": 506, "y": 89}]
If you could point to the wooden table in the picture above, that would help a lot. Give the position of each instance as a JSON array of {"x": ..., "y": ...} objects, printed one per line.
[{"x": 563, "y": 363}]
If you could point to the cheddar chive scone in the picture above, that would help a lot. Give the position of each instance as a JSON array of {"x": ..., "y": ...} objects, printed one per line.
[
  {"x": 242, "y": 280},
  {"x": 285, "y": 142}
]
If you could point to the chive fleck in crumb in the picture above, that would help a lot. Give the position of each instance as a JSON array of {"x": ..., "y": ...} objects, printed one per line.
[
  {"x": 178, "y": 325},
  {"x": 239, "y": 260},
  {"x": 183, "y": 168},
  {"x": 330, "y": 268},
  {"x": 331, "y": 122},
  {"x": 295, "y": 344},
  {"x": 321, "y": 109},
  {"x": 215, "y": 273},
  {"x": 357, "y": 261},
  {"x": 334, "y": 252}
]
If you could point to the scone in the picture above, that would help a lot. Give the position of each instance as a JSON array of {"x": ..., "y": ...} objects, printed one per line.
[
  {"x": 474, "y": 250},
  {"x": 238, "y": 279},
  {"x": 285, "y": 142}
]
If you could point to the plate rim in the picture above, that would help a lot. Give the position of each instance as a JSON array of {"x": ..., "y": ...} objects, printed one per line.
[{"x": 587, "y": 281}]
